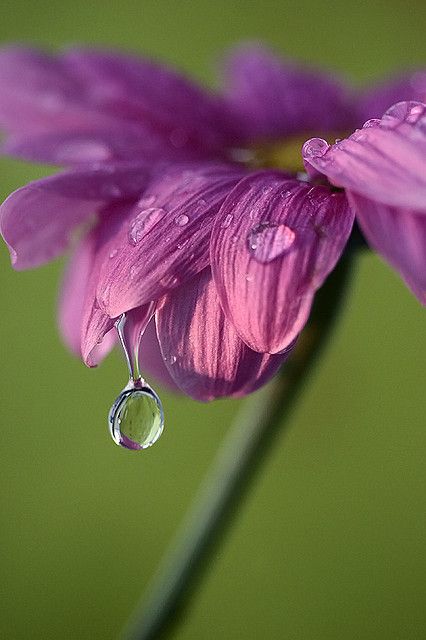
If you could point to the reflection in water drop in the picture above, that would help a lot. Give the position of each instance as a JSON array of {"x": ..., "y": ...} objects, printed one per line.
[
  {"x": 136, "y": 418},
  {"x": 144, "y": 221},
  {"x": 267, "y": 241},
  {"x": 315, "y": 148}
]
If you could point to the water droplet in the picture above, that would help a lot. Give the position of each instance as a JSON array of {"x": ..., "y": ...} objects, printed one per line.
[
  {"x": 227, "y": 221},
  {"x": 373, "y": 122},
  {"x": 104, "y": 296},
  {"x": 113, "y": 253},
  {"x": 315, "y": 148},
  {"x": 136, "y": 419},
  {"x": 182, "y": 220},
  {"x": 143, "y": 223},
  {"x": 172, "y": 359},
  {"x": 409, "y": 112},
  {"x": 267, "y": 241}
]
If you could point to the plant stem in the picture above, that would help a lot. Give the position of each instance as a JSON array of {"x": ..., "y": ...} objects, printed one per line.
[{"x": 239, "y": 459}]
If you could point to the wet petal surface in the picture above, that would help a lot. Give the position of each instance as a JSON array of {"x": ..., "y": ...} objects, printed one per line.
[{"x": 274, "y": 242}]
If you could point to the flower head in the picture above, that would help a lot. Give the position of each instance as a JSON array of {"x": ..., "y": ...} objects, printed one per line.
[{"x": 192, "y": 205}]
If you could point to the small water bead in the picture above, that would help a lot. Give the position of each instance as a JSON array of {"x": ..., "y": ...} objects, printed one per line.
[
  {"x": 143, "y": 223},
  {"x": 113, "y": 253},
  {"x": 182, "y": 220},
  {"x": 227, "y": 221},
  {"x": 409, "y": 112},
  {"x": 315, "y": 148},
  {"x": 136, "y": 419},
  {"x": 268, "y": 241},
  {"x": 373, "y": 122}
]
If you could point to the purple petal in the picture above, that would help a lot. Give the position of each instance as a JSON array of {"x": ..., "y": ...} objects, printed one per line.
[
  {"x": 37, "y": 220},
  {"x": 165, "y": 240},
  {"x": 274, "y": 242},
  {"x": 202, "y": 350},
  {"x": 384, "y": 161},
  {"x": 151, "y": 360},
  {"x": 81, "y": 96},
  {"x": 78, "y": 147},
  {"x": 399, "y": 235},
  {"x": 38, "y": 94},
  {"x": 276, "y": 98},
  {"x": 374, "y": 102},
  {"x": 150, "y": 93},
  {"x": 73, "y": 290},
  {"x": 383, "y": 168},
  {"x": 95, "y": 323}
]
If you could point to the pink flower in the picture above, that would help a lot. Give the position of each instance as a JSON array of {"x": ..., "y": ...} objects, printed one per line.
[{"x": 162, "y": 173}]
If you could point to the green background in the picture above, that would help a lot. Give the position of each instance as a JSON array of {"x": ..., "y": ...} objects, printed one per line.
[{"x": 331, "y": 542}]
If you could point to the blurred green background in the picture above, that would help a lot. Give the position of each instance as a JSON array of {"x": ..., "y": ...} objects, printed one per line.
[{"x": 331, "y": 543}]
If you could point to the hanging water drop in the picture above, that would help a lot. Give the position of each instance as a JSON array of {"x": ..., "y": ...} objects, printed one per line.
[{"x": 136, "y": 419}]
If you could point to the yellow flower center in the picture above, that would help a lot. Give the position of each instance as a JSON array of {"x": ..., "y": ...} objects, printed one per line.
[{"x": 284, "y": 154}]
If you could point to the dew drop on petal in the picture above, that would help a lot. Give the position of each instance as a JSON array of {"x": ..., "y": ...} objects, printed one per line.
[
  {"x": 403, "y": 112},
  {"x": 267, "y": 241},
  {"x": 227, "y": 221},
  {"x": 113, "y": 253},
  {"x": 182, "y": 220},
  {"x": 143, "y": 223},
  {"x": 136, "y": 419},
  {"x": 315, "y": 148},
  {"x": 373, "y": 122}
]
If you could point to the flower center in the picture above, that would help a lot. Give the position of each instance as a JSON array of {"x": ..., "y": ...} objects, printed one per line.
[{"x": 285, "y": 154}]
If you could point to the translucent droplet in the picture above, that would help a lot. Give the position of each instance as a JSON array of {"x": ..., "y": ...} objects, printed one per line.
[
  {"x": 315, "y": 148},
  {"x": 136, "y": 419},
  {"x": 227, "y": 221},
  {"x": 267, "y": 241},
  {"x": 113, "y": 253},
  {"x": 182, "y": 220},
  {"x": 409, "y": 112},
  {"x": 373, "y": 122},
  {"x": 143, "y": 223}
]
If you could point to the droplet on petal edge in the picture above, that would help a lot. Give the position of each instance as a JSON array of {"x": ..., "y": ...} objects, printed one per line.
[
  {"x": 315, "y": 148},
  {"x": 409, "y": 112},
  {"x": 143, "y": 222},
  {"x": 267, "y": 241},
  {"x": 136, "y": 419},
  {"x": 373, "y": 122}
]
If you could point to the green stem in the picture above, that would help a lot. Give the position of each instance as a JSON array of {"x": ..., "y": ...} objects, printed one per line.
[{"x": 238, "y": 461}]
